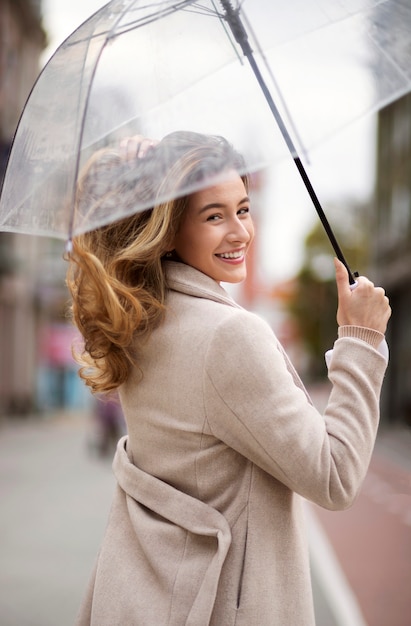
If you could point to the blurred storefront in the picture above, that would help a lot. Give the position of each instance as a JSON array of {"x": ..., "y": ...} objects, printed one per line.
[
  {"x": 392, "y": 250},
  {"x": 37, "y": 371},
  {"x": 22, "y": 39}
]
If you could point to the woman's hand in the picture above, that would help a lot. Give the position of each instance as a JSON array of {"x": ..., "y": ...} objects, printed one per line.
[
  {"x": 136, "y": 147},
  {"x": 366, "y": 305}
]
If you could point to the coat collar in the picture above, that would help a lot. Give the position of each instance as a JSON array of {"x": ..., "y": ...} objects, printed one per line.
[{"x": 186, "y": 279}]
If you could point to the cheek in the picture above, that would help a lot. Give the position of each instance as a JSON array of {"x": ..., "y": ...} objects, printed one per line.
[
  {"x": 183, "y": 236},
  {"x": 189, "y": 242}
]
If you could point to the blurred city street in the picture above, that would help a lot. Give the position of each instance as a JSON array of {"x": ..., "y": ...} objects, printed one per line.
[
  {"x": 55, "y": 501},
  {"x": 370, "y": 543},
  {"x": 372, "y": 540},
  {"x": 56, "y": 495}
]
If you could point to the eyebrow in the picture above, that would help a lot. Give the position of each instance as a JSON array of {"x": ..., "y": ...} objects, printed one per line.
[{"x": 220, "y": 205}]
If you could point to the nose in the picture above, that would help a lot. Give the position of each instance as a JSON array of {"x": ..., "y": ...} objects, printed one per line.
[{"x": 240, "y": 230}]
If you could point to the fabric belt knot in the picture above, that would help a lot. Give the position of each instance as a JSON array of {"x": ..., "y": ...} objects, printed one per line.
[{"x": 186, "y": 512}]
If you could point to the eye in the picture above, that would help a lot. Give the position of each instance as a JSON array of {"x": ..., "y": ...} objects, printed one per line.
[
  {"x": 214, "y": 217},
  {"x": 244, "y": 210}
]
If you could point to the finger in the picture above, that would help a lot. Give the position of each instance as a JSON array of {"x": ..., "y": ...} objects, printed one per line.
[
  {"x": 363, "y": 281},
  {"x": 135, "y": 147},
  {"x": 341, "y": 277},
  {"x": 144, "y": 148},
  {"x": 129, "y": 147}
]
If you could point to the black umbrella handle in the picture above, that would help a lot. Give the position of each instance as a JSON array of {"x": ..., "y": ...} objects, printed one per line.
[{"x": 233, "y": 19}]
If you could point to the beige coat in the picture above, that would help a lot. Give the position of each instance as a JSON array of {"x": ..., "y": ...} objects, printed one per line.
[{"x": 207, "y": 525}]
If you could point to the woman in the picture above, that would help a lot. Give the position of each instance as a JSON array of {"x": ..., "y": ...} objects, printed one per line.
[{"x": 223, "y": 442}]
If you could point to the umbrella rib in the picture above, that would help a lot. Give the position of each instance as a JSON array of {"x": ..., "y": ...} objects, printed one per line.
[
  {"x": 240, "y": 34},
  {"x": 390, "y": 59},
  {"x": 72, "y": 215},
  {"x": 278, "y": 90},
  {"x": 135, "y": 24}
]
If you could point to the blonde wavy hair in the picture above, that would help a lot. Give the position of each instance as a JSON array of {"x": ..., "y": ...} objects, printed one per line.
[{"x": 116, "y": 274}]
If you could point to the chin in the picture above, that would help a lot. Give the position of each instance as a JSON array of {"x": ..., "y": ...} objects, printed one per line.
[{"x": 234, "y": 279}]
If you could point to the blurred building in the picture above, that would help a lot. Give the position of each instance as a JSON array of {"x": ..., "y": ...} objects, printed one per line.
[
  {"x": 22, "y": 40},
  {"x": 392, "y": 250}
]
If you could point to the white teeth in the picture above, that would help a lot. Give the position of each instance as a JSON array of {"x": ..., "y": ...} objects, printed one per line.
[{"x": 231, "y": 255}]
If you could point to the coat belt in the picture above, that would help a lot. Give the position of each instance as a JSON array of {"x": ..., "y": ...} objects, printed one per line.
[{"x": 185, "y": 511}]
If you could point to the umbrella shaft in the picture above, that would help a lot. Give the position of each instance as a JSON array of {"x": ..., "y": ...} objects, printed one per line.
[
  {"x": 237, "y": 28},
  {"x": 323, "y": 217}
]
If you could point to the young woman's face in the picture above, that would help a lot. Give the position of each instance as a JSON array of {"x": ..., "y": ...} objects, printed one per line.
[{"x": 217, "y": 230}]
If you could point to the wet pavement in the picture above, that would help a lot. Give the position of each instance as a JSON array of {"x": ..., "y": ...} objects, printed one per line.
[{"x": 55, "y": 501}]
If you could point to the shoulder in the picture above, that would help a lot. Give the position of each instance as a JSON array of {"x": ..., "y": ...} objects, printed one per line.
[
  {"x": 241, "y": 343},
  {"x": 243, "y": 323}
]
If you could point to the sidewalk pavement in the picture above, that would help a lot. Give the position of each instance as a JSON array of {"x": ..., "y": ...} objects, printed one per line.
[
  {"x": 370, "y": 543},
  {"x": 55, "y": 503}
]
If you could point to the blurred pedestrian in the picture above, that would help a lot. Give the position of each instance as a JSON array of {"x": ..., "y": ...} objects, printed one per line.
[
  {"x": 223, "y": 441},
  {"x": 108, "y": 425}
]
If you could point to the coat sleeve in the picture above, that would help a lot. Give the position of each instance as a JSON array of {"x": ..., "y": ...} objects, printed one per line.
[{"x": 254, "y": 405}]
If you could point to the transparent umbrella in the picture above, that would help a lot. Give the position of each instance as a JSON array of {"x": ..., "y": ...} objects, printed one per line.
[{"x": 271, "y": 77}]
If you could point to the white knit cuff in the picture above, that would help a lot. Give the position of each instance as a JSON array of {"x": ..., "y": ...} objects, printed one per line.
[{"x": 373, "y": 337}]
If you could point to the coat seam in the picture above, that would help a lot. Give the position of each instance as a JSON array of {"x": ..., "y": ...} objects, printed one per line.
[
  {"x": 173, "y": 595},
  {"x": 247, "y": 506},
  {"x": 244, "y": 424}
]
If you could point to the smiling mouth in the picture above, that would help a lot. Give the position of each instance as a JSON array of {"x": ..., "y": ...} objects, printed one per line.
[{"x": 238, "y": 254}]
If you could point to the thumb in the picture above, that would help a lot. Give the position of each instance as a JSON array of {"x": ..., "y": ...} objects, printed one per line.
[{"x": 342, "y": 279}]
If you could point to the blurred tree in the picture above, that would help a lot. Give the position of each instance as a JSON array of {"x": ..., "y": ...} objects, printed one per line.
[{"x": 314, "y": 303}]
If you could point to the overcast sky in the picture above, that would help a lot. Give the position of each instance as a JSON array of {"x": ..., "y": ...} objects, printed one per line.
[{"x": 61, "y": 17}]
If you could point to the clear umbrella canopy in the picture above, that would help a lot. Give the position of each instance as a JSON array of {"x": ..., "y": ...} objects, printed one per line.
[{"x": 151, "y": 68}]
